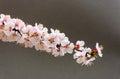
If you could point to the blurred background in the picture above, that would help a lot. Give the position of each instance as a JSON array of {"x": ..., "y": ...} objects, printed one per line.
[{"x": 89, "y": 20}]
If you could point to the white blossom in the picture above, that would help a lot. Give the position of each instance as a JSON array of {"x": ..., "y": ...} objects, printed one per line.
[
  {"x": 99, "y": 50},
  {"x": 80, "y": 45}
]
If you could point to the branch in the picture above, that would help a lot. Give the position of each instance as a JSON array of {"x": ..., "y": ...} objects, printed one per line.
[{"x": 55, "y": 42}]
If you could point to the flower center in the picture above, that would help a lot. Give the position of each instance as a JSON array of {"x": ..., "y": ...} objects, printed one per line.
[
  {"x": 95, "y": 50},
  {"x": 35, "y": 34},
  {"x": 58, "y": 46},
  {"x": 77, "y": 46},
  {"x": 51, "y": 40}
]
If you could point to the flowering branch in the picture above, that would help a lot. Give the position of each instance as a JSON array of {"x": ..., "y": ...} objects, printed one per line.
[{"x": 37, "y": 36}]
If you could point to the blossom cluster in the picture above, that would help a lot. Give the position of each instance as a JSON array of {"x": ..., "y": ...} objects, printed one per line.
[{"x": 53, "y": 42}]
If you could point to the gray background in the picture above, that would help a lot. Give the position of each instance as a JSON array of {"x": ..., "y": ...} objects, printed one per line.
[{"x": 89, "y": 20}]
